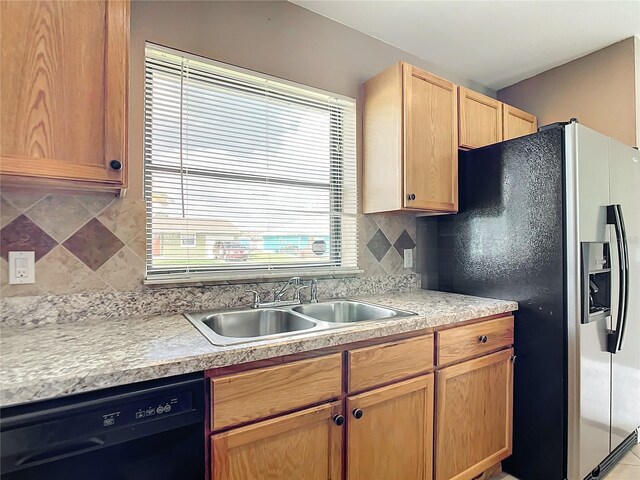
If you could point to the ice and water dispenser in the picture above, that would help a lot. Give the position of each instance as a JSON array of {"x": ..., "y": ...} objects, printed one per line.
[{"x": 596, "y": 281}]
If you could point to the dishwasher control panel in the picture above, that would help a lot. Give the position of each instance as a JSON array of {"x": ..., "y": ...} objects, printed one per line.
[{"x": 148, "y": 409}]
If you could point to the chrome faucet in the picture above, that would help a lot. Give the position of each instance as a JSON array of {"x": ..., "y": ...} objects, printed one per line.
[{"x": 292, "y": 282}]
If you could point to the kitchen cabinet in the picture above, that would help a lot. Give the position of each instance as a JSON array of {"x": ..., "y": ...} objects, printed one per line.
[
  {"x": 473, "y": 416},
  {"x": 480, "y": 119},
  {"x": 390, "y": 431},
  {"x": 263, "y": 392},
  {"x": 64, "y": 88},
  {"x": 484, "y": 120},
  {"x": 376, "y": 402},
  {"x": 410, "y": 142},
  {"x": 304, "y": 445},
  {"x": 517, "y": 123}
]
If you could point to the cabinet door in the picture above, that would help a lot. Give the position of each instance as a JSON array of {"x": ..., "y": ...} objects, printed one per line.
[
  {"x": 305, "y": 445},
  {"x": 64, "y": 92},
  {"x": 517, "y": 123},
  {"x": 480, "y": 119},
  {"x": 474, "y": 410},
  {"x": 393, "y": 436},
  {"x": 430, "y": 142}
]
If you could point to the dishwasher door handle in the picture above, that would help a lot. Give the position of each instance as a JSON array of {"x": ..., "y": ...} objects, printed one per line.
[{"x": 61, "y": 450}]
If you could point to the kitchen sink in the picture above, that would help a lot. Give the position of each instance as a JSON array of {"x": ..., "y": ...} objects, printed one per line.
[
  {"x": 232, "y": 327},
  {"x": 348, "y": 311},
  {"x": 256, "y": 323}
]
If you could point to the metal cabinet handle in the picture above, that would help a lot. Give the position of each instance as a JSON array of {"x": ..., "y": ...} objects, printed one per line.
[
  {"x": 338, "y": 420},
  {"x": 411, "y": 196},
  {"x": 483, "y": 339},
  {"x": 357, "y": 413},
  {"x": 115, "y": 164}
]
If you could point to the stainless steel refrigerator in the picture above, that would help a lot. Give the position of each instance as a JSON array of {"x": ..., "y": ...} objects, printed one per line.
[{"x": 552, "y": 220}]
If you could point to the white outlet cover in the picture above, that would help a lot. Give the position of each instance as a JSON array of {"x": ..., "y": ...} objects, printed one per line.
[
  {"x": 408, "y": 258},
  {"x": 22, "y": 268}
]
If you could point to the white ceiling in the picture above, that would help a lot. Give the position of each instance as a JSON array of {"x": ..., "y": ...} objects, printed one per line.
[{"x": 495, "y": 43}]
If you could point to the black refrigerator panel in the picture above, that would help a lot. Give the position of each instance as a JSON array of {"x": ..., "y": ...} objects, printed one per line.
[{"x": 507, "y": 242}]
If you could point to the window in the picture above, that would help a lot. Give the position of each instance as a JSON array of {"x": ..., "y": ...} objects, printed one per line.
[
  {"x": 187, "y": 240},
  {"x": 245, "y": 174}
]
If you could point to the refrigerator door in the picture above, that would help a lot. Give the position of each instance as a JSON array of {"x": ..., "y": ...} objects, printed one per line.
[
  {"x": 589, "y": 362},
  {"x": 624, "y": 182}
]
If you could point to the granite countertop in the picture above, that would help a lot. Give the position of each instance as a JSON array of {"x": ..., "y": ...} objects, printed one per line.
[{"x": 48, "y": 361}]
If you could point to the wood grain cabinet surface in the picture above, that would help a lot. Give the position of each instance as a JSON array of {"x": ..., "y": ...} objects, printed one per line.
[
  {"x": 517, "y": 123},
  {"x": 480, "y": 119},
  {"x": 64, "y": 87},
  {"x": 473, "y": 416},
  {"x": 372, "y": 366},
  {"x": 303, "y": 445},
  {"x": 410, "y": 142},
  {"x": 468, "y": 341},
  {"x": 390, "y": 432},
  {"x": 263, "y": 392}
]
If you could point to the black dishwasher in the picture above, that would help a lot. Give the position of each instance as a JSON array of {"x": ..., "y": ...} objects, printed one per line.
[{"x": 150, "y": 430}]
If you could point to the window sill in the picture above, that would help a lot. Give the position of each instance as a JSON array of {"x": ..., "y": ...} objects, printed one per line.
[{"x": 208, "y": 279}]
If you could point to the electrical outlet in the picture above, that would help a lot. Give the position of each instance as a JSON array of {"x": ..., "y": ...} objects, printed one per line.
[
  {"x": 22, "y": 266},
  {"x": 408, "y": 258}
]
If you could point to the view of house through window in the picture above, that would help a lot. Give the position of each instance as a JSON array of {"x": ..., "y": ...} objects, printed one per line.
[{"x": 245, "y": 172}]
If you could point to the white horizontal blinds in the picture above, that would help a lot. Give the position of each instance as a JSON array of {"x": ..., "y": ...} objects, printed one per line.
[{"x": 244, "y": 172}]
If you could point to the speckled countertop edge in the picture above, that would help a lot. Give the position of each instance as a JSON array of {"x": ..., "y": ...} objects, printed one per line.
[{"x": 49, "y": 361}]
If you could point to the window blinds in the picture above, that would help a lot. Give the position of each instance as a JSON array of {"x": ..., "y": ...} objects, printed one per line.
[{"x": 245, "y": 174}]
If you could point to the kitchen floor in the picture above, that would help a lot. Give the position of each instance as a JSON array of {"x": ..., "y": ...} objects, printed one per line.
[{"x": 627, "y": 469}]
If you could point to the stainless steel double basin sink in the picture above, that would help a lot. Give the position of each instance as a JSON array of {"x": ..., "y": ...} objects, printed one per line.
[{"x": 231, "y": 327}]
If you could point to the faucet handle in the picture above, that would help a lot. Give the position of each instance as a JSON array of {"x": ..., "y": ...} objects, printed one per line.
[{"x": 256, "y": 298}]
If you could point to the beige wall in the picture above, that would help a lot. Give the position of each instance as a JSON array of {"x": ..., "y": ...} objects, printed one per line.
[
  {"x": 637, "y": 52},
  {"x": 278, "y": 38},
  {"x": 597, "y": 89},
  {"x": 93, "y": 243}
]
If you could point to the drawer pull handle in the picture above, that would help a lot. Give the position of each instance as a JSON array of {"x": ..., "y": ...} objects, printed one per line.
[
  {"x": 357, "y": 413},
  {"x": 483, "y": 339},
  {"x": 338, "y": 420}
]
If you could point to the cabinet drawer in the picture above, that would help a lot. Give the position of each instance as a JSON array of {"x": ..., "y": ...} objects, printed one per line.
[
  {"x": 371, "y": 366},
  {"x": 460, "y": 343},
  {"x": 243, "y": 397}
]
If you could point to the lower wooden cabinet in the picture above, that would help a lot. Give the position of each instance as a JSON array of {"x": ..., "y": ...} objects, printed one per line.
[
  {"x": 473, "y": 416},
  {"x": 303, "y": 445},
  {"x": 390, "y": 432}
]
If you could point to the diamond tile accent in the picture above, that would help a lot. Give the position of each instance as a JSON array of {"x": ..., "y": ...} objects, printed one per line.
[
  {"x": 23, "y": 235},
  {"x": 94, "y": 244},
  {"x": 379, "y": 245},
  {"x": 404, "y": 241},
  {"x": 59, "y": 215}
]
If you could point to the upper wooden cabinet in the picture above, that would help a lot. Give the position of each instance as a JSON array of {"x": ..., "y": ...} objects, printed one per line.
[
  {"x": 484, "y": 120},
  {"x": 64, "y": 82},
  {"x": 517, "y": 123},
  {"x": 480, "y": 119},
  {"x": 410, "y": 142}
]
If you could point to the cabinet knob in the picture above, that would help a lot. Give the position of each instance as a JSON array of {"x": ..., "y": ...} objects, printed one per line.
[
  {"x": 412, "y": 196},
  {"x": 483, "y": 339},
  {"x": 357, "y": 413},
  {"x": 115, "y": 164},
  {"x": 338, "y": 420}
]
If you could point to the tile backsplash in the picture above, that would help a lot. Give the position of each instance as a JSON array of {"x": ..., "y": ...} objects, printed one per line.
[{"x": 90, "y": 243}]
